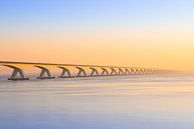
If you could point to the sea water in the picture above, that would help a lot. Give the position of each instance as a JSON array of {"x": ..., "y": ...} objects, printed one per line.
[{"x": 158, "y": 101}]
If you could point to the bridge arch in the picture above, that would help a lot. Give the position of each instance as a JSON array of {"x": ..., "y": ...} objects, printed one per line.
[
  {"x": 113, "y": 72},
  {"x": 94, "y": 72},
  {"x": 64, "y": 72},
  {"x": 80, "y": 72},
  {"x": 17, "y": 73},
  {"x": 45, "y": 73},
  {"x": 138, "y": 71},
  {"x": 121, "y": 72},
  {"x": 142, "y": 71},
  {"x": 133, "y": 71},
  {"x": 127, "y": 72},
  {"x": 104, "y": 72}
]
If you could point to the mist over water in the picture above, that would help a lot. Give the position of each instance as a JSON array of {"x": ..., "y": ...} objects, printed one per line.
[{"x": 158, "y": 101}]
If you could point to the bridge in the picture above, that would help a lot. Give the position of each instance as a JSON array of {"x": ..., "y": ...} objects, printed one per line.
[{"x": 94, "y": 70}]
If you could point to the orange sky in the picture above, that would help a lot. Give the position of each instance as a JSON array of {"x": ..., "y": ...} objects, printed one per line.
[{"x": 149, "y": 47}]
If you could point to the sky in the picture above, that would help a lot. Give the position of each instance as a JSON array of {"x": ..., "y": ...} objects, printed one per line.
[{"x": 142, "y": 33}]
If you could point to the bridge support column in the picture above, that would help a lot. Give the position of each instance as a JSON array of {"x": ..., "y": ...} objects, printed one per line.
[
  {"x": 121, "y": 72},
  {"x": 104, "y": 72},
  {"x": 113, "y": 72},
  {"x": 16, "y": 72},
  {"x": 143, "y": 71},
  {"x": 140, "y": 71},
  {"x": 65, "y": 70},
  {"x": 94, "y": 71},
  {"x": 151, "y": 71},
  {"x": 148, "y": 71},
  {"x": 45, "y": 73},
  {"x": 137, "y": 71},
  {"x": 133, "y": 71},
  {"x": 81, "y": 71},
  {"x": 127, "y": 72}
]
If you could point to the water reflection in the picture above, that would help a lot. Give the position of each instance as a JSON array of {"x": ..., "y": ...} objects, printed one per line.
[{"x": 136, "y": 102}]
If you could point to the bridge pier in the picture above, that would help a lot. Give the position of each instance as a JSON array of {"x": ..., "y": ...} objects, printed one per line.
[
  {"x": 80, "y": 72},
  {"x": 44, "y": 74},
  {"x": 16, "y": 72},
  {"x": 121, "y": 72},
  {"x": 127, "y": 72},
  {"x": 148, "y": 71},
  {"x": 133, "y": 71},
  {"x": 142, "y": 71},
  {"x": 94, "y": 71},
  {"x": 104, "y": 72},
  {"x": 64, "y": 71},
  {"x": 138, "y": 71},
  {"x": 113, "y": 72}
]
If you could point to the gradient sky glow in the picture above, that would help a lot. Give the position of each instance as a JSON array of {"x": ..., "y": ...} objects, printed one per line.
[{"x": 146, "y": 33}]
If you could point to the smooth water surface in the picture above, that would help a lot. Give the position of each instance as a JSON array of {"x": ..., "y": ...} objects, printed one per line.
[{"x": 133, "y": 102}]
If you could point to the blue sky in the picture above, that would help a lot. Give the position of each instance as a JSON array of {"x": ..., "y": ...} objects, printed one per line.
[{"x": 95, "y": 12}]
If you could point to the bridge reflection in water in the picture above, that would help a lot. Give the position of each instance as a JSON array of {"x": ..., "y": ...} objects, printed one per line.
[{"x": 94, "y": 70}]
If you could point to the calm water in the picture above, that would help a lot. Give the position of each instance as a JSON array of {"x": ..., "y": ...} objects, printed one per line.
[{"x": 135, "y": 102}]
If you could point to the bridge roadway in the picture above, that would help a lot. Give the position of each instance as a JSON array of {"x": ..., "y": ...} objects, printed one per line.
[{"x": 18, "y": 72}]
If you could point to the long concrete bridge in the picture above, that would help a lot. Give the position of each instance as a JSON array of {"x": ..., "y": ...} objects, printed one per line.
[{"x": 94, "y": 70}]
